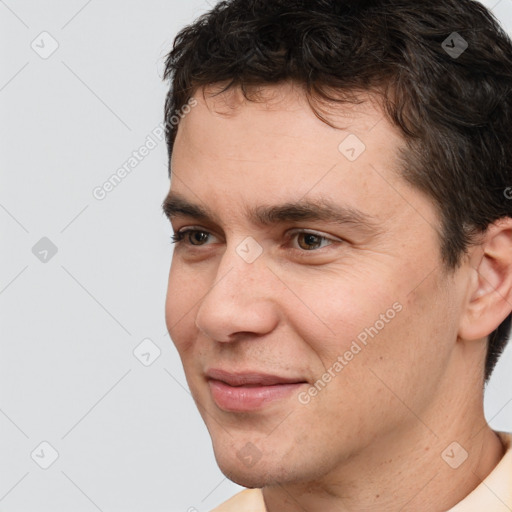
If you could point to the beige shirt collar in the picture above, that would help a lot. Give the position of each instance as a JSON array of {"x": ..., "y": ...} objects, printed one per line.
[{"x": 494, "y": 494}]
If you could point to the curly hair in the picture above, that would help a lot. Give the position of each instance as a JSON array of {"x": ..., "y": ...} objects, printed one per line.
[{"x": 454, "y": 109}]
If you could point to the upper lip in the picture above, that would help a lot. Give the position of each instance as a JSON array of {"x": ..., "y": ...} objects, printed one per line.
[{"x": 250, "y": 378}]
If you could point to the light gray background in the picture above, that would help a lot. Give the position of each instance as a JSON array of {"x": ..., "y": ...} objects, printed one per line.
[{"x": 128, "y": 436}]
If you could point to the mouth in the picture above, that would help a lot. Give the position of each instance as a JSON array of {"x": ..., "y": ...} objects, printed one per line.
[{"x": 249, "y": 391}]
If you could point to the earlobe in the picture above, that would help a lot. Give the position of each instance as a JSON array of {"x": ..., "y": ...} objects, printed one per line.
[{"x": 489, "y": 299}]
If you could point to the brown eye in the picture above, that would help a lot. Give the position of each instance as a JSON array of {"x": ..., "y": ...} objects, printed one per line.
[
  {"x": 197, "y": 237},
  {"x": 309, "y": 241},
  {"x": 302, "y": 241}
]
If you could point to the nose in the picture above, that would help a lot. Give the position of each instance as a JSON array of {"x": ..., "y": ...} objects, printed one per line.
[{"x": 241, "y": 300}]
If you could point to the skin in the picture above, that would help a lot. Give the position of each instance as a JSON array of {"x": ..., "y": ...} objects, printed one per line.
[{"x": 373, "y": 437}]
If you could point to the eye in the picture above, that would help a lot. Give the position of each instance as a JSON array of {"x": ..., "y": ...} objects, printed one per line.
[
  {"x": 195, "y": 237},
  {"x": 311, "y": 241},
  {"x": 306, "y": 241}
]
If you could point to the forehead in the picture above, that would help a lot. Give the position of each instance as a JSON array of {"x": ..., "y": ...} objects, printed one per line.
[
  {"x": 287, "y": 111},
  {"x": 281, "y": 123},
  {"x": 275, "y": 147}
]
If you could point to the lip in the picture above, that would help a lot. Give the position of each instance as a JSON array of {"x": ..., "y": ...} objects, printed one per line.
[{"x": 250, "y": 390}]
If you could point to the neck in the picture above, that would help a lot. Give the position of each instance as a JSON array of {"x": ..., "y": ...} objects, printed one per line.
[{"x": 407, "y": 471}]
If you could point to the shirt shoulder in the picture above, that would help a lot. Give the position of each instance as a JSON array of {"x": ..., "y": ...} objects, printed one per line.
[{"x": 249, "y": 500}]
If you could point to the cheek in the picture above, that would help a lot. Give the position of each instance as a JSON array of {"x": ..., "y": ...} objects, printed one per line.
[
  {"x": 332, "y": 310},
  {"x": 182, "y": 296},
  {"x": 356, "y": 324},
  {"x": 406, "y": 356}
]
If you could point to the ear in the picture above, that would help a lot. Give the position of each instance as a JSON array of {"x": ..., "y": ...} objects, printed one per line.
[{"x": 489, "y": 299}]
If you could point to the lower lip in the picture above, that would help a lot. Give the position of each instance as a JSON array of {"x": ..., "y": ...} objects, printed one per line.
[{"x": 249, "y": 398}]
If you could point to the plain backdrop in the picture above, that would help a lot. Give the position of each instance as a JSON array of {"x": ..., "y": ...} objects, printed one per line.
[{"x": 90, "y": 385}]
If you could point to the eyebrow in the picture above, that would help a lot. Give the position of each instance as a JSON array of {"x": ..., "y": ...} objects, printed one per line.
[{"x": 321, "y": 209}]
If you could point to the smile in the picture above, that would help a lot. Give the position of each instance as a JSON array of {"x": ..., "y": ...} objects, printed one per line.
[{"x": 245, "y": 392}]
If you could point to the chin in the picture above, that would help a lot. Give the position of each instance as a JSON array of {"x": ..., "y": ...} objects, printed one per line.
[
  {"x": 265, "y": 472},
  {"x": 248, "y": 478},
  {"x": 257, "y": 477}
]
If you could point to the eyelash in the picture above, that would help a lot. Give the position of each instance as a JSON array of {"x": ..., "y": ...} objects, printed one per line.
[{"x": 180, "y": 236}]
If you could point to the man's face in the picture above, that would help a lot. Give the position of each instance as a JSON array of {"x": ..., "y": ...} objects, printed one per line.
[{"x": 305, "y": 339}]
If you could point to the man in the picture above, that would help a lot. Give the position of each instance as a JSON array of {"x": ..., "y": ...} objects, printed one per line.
[{"x": 341, "y": 284}]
